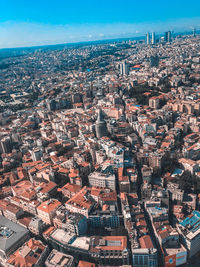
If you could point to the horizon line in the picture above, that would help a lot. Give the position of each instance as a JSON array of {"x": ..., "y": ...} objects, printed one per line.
[{"x": 186, "y": 32}]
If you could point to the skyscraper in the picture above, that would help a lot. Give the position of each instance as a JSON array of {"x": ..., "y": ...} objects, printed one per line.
[
  {"x": 167, "y": 36},
  {"x": 194, "y": 32},
  {"x": 124, "y": 68},
  {"x": 153, "y": 38},
  {"x": 148, "y": 38},
  {"x": 100, "y": 127}
]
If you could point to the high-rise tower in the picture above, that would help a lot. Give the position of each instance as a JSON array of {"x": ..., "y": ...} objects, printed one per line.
[
  {"x": 168, "y": 36},
  {"x": 148, "y": 38},
  {"x": 153, "y": 38},
  {"x": 165, "y": 37},
  {"x": 194, "y": 32},
  {"x": 124, "y": 68}
]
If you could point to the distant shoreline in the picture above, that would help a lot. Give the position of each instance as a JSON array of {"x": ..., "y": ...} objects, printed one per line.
[{"x": 87, "y": 43}]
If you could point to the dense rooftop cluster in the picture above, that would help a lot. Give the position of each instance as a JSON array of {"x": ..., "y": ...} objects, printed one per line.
[{"x": 100, "y": 155}]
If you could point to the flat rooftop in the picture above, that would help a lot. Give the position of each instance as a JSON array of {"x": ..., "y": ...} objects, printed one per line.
[
  {"x": 57, "y": 259},
  {"x": 82, "y": 243},
  {"x": 157, "y": 210},
  {"x": 62, "y": 236},
  {"x": 192, "y": 221},
  {"x": 10, "y": 233},
  {"x": 102, "y": 176},
  {"x": 191, "y": 224},
  {"x": 173, "y": 251},
  {"x": 144, "y": 250}
]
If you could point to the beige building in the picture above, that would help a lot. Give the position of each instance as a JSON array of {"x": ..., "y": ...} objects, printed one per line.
[
  {"x": 102, "y": 180},
  {"x": 47, "y": 210}
]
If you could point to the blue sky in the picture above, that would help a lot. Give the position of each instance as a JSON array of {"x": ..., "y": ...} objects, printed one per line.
[{"x": 34, "y": 22}]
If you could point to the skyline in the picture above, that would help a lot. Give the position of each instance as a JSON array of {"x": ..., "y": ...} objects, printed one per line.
[
  {"x": 100, "y": 134},
  {"x": 35, "y": 23}
]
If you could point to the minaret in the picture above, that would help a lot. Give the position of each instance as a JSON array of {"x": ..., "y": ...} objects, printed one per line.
[{"x": 101, "y": 127}]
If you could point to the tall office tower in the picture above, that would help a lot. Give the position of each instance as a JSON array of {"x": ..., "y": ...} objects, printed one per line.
[
  {"x": 101, "y": 127},
  {"x": 153, "y": 38},
  {"x": 124, "y": 68},
  {"x": 169, "y": 36},
  {"x": 194, "y": 32},
  {"x": 165, "y": 36},
  {"x": 148, "y": 38}
]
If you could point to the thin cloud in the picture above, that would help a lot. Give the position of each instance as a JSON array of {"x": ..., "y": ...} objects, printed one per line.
[{"x": 16, "y": 34}]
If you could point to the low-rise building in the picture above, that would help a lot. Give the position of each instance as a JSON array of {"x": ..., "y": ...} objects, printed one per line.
[
  {"x": 109, "y": 250},
  {"x": 12, "y": 236},
  {"x": 108, "y": 217},
  {"x": 80, "y": 203},
  {"x": 47, "y": 209},
  {"x": 103, "y": 180},
  {"x": 59, "y": 259},
  {"x": 189, "y": 230},
  {"x": 32, "y": 253},
  {"x": 145, "y": 257},
  {"x": 75, "y": 223}
]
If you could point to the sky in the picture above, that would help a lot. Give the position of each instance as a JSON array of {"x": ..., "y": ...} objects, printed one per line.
[{"x": 42, "y": 22}]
